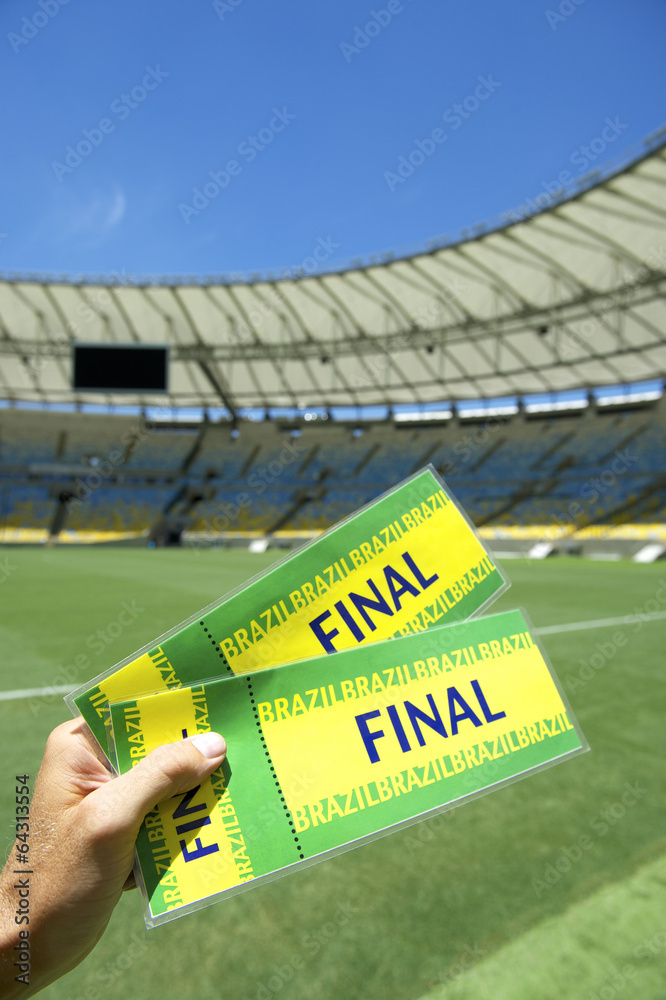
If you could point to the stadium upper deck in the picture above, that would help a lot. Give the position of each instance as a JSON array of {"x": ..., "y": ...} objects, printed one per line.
[{"x": 571, "y": 297}]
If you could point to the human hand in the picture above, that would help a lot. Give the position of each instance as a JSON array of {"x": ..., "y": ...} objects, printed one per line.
[{"x": 83, "y": 826}]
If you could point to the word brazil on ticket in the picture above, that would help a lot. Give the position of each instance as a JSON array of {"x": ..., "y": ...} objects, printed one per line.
[
  {"x": 405, "y": 562},
  {"x": 327, "y": 754}
]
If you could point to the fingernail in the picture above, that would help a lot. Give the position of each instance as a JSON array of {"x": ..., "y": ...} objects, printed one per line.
[{"x": 210, "y": 745}]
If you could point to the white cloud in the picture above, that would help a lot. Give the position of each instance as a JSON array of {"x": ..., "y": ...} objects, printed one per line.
[{"x": 95, "y": 218}]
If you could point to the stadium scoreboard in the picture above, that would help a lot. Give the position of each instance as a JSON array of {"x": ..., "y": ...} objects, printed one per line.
[{"x": 120, "y": 367}]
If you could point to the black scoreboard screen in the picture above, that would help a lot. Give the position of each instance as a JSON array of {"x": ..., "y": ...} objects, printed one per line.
[{"x": 120, "y": 367}]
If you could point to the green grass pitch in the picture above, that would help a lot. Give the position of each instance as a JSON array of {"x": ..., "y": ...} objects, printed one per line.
[{"x": 495, "y": 899}]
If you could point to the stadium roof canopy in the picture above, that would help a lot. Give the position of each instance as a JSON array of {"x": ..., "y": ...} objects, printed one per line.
[{"x": 571, "y": 297}]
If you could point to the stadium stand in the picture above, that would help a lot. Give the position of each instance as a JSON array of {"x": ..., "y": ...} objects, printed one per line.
[
  {"x": 293, "y": 401},
  {"x": 120, "y": 475}
]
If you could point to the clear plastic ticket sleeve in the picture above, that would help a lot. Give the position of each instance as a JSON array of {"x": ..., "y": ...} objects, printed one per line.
[{"x": 325, "y": 754}]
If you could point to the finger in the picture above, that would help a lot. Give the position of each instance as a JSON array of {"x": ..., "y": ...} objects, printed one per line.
[{"x": 122, "y": 803}]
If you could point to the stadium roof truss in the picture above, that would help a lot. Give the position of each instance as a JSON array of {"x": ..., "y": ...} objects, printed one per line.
[{"x": 572, "y": 297}]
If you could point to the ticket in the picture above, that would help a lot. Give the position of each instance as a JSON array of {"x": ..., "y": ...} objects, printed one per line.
[
  {"x": 402, "y": 564},
  {"x": 325, "y": 754}
]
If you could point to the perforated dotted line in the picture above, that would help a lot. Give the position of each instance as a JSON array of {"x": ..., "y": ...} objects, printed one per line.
[
  {"x": 217, "y": 648},
  {"x": 270, "y": 762}
]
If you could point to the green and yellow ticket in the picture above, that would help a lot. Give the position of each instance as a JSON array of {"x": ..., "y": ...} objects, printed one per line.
[
  {"x": 400, "y": 565},
  {"x": 326, "y": 754}
]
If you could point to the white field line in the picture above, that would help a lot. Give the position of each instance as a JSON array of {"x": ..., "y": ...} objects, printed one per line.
[
  {"x": 632, "y": 619},
  {"x": 544, "y": 630},
  {"x": 34, "y": 692}
]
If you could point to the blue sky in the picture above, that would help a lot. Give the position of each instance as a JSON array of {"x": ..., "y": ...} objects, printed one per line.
[{"x": 305, "y": 117}]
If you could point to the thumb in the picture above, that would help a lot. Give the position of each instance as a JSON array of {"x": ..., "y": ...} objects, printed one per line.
[{"x": 167, "y": 771}]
